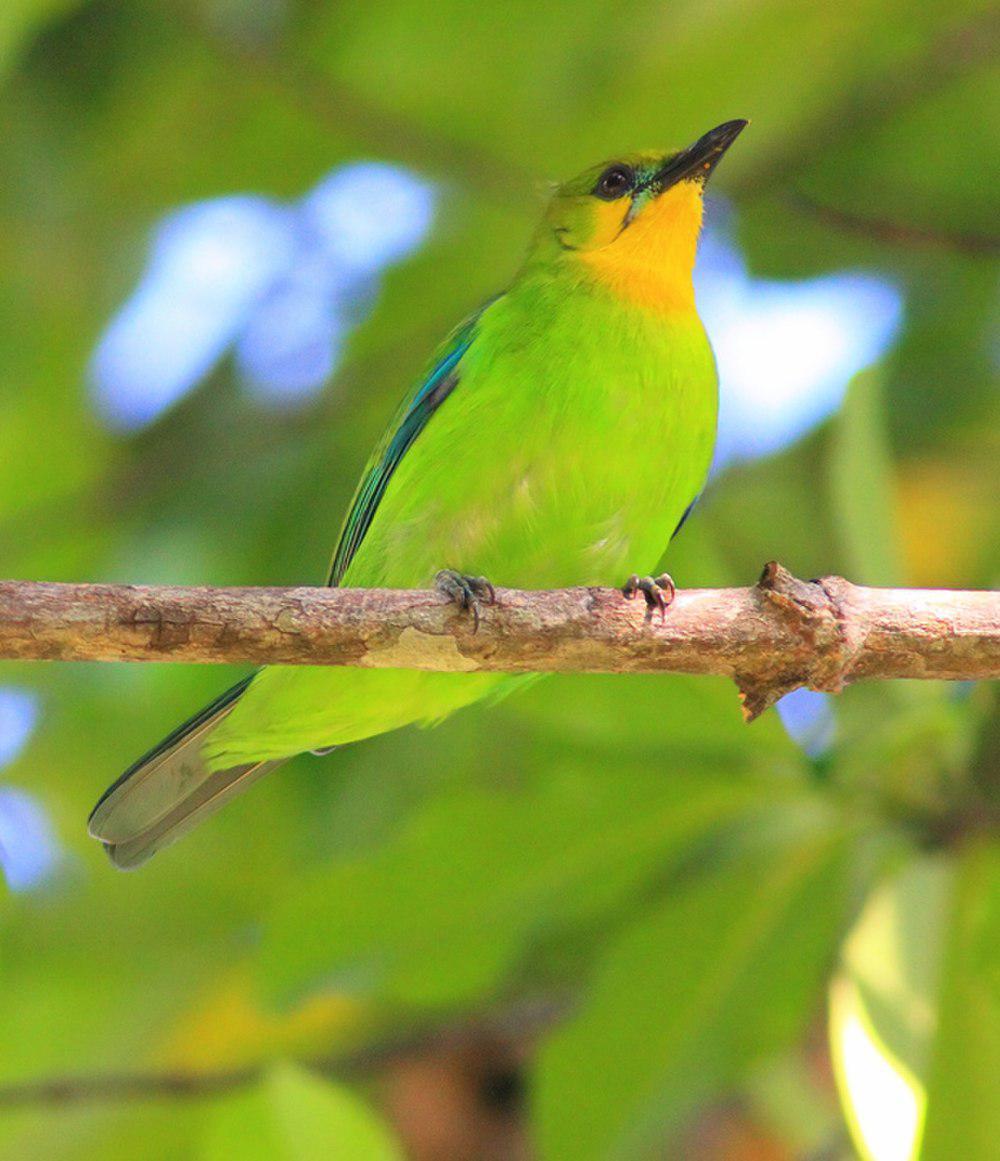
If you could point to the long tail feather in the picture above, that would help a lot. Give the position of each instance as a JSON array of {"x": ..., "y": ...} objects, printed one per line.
[
  {"x": 213, "y": 793},
  {"x": 170, "y": 789}
]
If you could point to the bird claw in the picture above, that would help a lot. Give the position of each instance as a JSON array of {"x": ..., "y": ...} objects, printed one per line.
[
  {"x": 470, "y": 592},
  {"x": 658, "y": 591}
]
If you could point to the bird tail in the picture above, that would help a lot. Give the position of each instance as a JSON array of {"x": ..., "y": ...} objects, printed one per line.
[{"x": 170, "y": 789}]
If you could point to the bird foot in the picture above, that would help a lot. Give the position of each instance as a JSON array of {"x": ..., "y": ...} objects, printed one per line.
[
  {"x": 470, "y": 592},
  {"x": 658, "y": 591}
]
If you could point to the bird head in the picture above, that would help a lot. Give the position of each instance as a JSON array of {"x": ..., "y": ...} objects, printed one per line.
[{"x": 635, "y": 221}]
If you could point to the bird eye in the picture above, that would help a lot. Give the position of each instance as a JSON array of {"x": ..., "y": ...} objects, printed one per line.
[{"x": 614, "y": 182}]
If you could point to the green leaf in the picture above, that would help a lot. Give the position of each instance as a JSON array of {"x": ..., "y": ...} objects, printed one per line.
[
  {"x": 21, "y": 19},
  {"x": 441, "y": 912},
  {"x": 294, "y": 1115},
  {"x": 656, "y": 718},
  {"x": 893, "y": 954},
  {"x": 882, "y": 1005},
  {"x": 963, "y": 1112},
  {"x": 862, "y": 486},
  {"x": 910, "y": 746},
  {"x": 915, "y": 1012},
  {"x": 722, "y": 974}
]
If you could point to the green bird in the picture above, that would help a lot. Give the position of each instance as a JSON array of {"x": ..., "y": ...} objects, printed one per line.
[{"x": 560, "y": 436}]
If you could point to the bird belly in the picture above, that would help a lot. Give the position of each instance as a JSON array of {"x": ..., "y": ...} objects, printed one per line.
[{"x": 565, "y": 458}]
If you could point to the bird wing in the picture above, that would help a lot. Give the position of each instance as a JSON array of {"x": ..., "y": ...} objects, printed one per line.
[
  {"x": 412, "y": 417},
  {"x": 171, "y": 788}
]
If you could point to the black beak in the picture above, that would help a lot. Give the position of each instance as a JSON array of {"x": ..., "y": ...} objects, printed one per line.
[{"x": 697, "y": 162}]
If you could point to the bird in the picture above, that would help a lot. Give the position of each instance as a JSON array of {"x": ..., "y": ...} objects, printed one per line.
[{"x": 559, "y": 437}]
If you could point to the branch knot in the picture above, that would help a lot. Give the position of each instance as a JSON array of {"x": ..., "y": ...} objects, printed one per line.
[{"x": 817, "y": 611}]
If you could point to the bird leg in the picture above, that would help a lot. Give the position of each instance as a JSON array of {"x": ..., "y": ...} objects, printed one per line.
[
  {"x": 470, "y": 592},
  {"x": 658, "y": 591}
]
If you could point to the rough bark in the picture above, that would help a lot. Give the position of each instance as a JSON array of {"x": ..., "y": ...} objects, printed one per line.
[{"x": 769, "y": 639}]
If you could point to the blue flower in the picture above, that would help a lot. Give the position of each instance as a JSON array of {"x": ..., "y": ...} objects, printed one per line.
[
  {"x": 368, "y": 216},
  {"x": 808, "y": 719},
  {"x": 282, "y": 285},
  {"x": 292, "y": 343},
  {"x": 29, "y": 851},
  {"x": 18, "y": 717},
  {"x": 786, "y": 350}
]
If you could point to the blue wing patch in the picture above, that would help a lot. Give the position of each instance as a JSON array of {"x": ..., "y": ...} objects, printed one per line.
[{"x": 416, "y": 413}]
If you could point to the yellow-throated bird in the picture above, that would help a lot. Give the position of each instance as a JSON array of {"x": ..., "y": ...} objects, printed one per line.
[{"x": 559, "y": 438}]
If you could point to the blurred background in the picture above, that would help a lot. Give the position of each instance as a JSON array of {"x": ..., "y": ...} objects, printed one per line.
[{"x": 604, "y": 918}]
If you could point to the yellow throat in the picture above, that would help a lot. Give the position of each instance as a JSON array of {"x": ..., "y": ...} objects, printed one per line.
[{"x": 650, "y": 260}]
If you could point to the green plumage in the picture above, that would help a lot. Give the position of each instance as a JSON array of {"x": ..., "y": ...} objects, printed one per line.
[
  {"x": 577, "y": 434},
  {"x": 557, "y": 439}
]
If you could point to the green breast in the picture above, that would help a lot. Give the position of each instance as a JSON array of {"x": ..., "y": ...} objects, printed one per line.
[{"x": 578, "y": 434}]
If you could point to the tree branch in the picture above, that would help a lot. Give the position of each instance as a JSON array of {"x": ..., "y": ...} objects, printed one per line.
[
  {"x": 895, "y": 233},
  {"x": 513, "y": 1026},
  {"x": 769, "y": 639}
]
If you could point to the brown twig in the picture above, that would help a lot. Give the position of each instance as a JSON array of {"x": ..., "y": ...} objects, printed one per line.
[
  {"x": 951, "y": 55},
  {"x": 770, "y": 639},
  {"x": 71, "y": 1090},
  {"x": 515, "y": 1025},
  {"x": 349, "y": 112},
  {"x": 896, "y": 233}
]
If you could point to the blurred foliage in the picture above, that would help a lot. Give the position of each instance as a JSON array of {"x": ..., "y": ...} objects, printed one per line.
[
  {"x": 293, "y": 1116},
  {"x": 682, "y": 885}
]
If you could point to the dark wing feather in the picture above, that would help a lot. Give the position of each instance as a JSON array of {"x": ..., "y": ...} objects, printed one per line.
[
  {"x": 168, "y": 790},
  {"x": 207, "y": 796},
  {"x": 412, "y": 419},
  {"x": 194, "y": 725}
]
